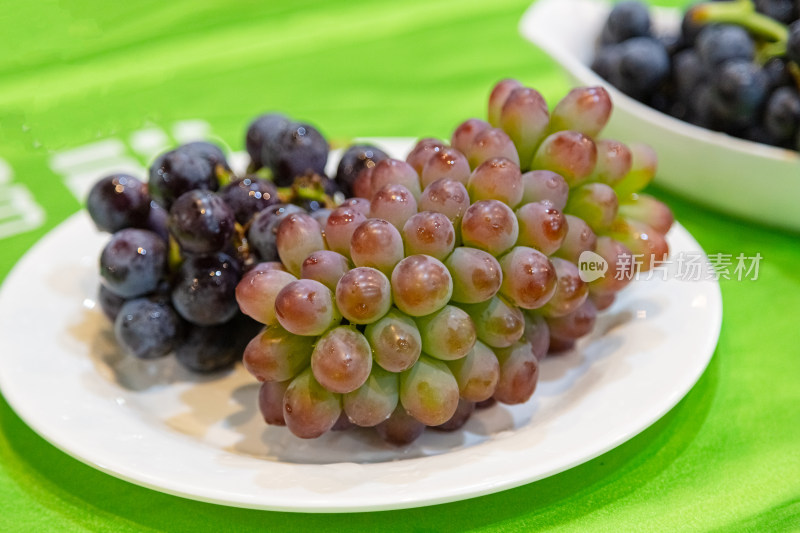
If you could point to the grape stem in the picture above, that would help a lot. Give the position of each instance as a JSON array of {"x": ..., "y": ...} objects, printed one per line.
[{"x": 743, "y": 13}]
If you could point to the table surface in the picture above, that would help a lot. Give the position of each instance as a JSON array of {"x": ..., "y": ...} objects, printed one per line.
[{"x": 89, "y": 85}]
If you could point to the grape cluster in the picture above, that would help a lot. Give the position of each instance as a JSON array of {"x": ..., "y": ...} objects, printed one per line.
[
  {"x": 182, "y": 242},
  {"x": 733, "y": 67},
  {"x": 447, "y": 279}
]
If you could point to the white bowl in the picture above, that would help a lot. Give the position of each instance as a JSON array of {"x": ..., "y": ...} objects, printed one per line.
[{"x": 743, "y": 178}]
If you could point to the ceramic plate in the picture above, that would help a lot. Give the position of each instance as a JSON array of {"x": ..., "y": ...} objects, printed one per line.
[{"x": 157, "y": 425}]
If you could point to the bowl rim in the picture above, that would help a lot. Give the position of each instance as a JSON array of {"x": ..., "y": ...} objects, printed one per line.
[{"x": 532, "y": 29}]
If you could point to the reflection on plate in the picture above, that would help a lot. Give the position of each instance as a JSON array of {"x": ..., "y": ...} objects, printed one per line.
[
  {"x": 743, "y": 178},
  {"x": 157, "y": 425}
]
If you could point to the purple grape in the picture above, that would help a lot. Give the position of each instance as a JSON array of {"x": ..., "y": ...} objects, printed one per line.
[
  {"x": 133, "y": 262},
  {"x": 262, "y": 138},
  {"x": 206, "y": 349},
  {"x": 300, "y": 149},
  {"x": 110, "y": 303},
  {"x": 204, "y": 291},
  {"x": 249, "y": 195},
  {"x": 184, "y": 169},
  {"x": 263, "y": 233},
  {"x": 118, "y": 201},
  {"x": 147, "y": 329},
  {"x": 201, "y": 222},
  {"x": 354, "y": 160}
]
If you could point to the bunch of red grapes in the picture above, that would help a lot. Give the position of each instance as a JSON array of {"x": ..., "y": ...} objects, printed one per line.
[{"x": 446, "y": 278}]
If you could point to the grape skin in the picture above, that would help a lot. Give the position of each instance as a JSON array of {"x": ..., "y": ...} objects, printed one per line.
[
  {"x": 133, "y": 262},
  {"x": 429, "y": 392},
  {"x": 447, "y": 163},
  {"x": 421, "y": 285},
  {"x": 447, "y": 334},
  {"x": 477, "y": 373},
  {"x": 422, "y": 151},
  {"x": 464, "y": 134},
  {"x": 541, "y": 226},
  {"x": 537, "y": 334},
  {"x": 201, "y": 222},
  {"x": 460, "y": 417},
  {"x": 429, "y": 233},
  {"x": 498, "y": 97},
  {"x": 377, "y": 244},
  {"x": 529, "y": 278},
  {"x": 340, "y": 226},
  {"x": 298, "y": 236},
  {"x": 363, "y": 295},
  {"x": 448, "y": 197},
  {"x": 400, "y": 428},
  {"x": 308, "y": 408},
  {"x": 258, "y": 289},
  {"x": 525, "y": 118},
  {"x": 571, "y": 291},
  {"x": 325, "y": 266},
  {"x": 544, "y": 185},
  {"x": 147, "y": 329},
  {"x": 306, "y": 307},
  {"x": 270, "y": 401},
  {"x": 395, "y": 172},
  {"x": 375, "y": 400},
  {"x": 491, "y": 226},
  {"x": 342, "y": 359},
  {"x": 476, "y": 274},
  {"x": 277, "y": 355},
  {"x": 204, "y": 291},
  {"x": 497, "y": 323},
  {"x": 579, "y": 239},
  {"x": 118, "y": 201},
  {"x": 583, "y": 109},
  {"x": 519, "y": 373},
  {"x": 496, "y": 179},
  {"x": 571, "y": 154},
  {"x": 396, "y": 341},
  {"x": 393, "y": 203}
]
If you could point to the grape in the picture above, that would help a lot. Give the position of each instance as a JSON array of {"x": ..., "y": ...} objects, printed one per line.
[
  {"x": 643, "y": 169},
  {"x": 519, "y": 373},
  {"x": 393, "y": 203},
  {"x": 627, "y": 19},
  {"x": 544, "y": 185},
  {"x": 529, "y": 279},
  {"x": 118, "y": 201},
  {"x": 321, "y": 215},
  {"x": 569, "y": 153},
  {"x": 375, "y": 400},
  {"x": 299, "y": 150},
  {"x": 363, "y": 295},
  {"x": 447, "y": 334},
  {"x": 109, "y": 302},
  {"x": 448, "y": 197},
  {"x": 362, "y": 186},
  {"x": 206, "y": 349},
  {"x": 793, "y": 44},
  {"x": 181, "y": 170},
  {"x": 689, "y": 72},
  {"x": 362, "y": 205},
  {"x": 719, "y": 43},
  {"x": 429, "y": 392},
  {"x": 354, "y": 160},
  {"x": 147, "y": 329},
  {"x": 341, "y": 225},
  {"x": 489, "y": 143},
  {"x": 571, "y": 290},
  {"x": 584, "y": 109},
  {"x": 537, "y": 334},
  {"x": 204, "y": 291},
  {"x": 306, "y": 307},
  {"x": 463, "y": 412},
  {"x": 614, "y": 161},
  {"x": 298, "y": 236},
  {"x": 400, "y": 428},
  {"x": 602, "y": 300},
  {"x": 257, "y": 290},
  {"x": 326, "y": 267},
  {"x": 342, "y": 359},
  {"x": 270, "y": 401},
  {"x": 649, "y": 247},
  {"x": 476, "y": 275},
  {"x": 525, "y": 118},
  {"x": 263, "y": 232},
  {"x": 395, "y": 340},
  {"x": 157, "y": 221},
  {"x": 247, "y": 196},
  {"x": 645, "y": 208},
  {"x": 498, "y": 98},
  {"x": 201, "y": 222},
  {"x": 781, "y": 10},
  {"x": 377, "y": 244},
  {"x": 642, "y": 68},
  {"x": 595, "y": 203},
  {"x": 262, "y": 138},
  {"x": 421, "y": 285},
  {"x": 466, "y": 132},
  {"x": 579, "y": 239},
  {"x": 541, "y": 226},
  {"x": 277, "y": 355},
  {"x": 133, "y": 262},
  {"x": 620, "y": 266},
  {"x": 490, "y": 225},
  {"x": 476, "y": 373},
  {"x": 576, "y": 324},
  {"x": 395, "y": 172},
  {"x": 559, "y": 346},
  {"x": 308, "y": 408},
  {"x": 739, "y": 91},
  {"x": 485, "y": 404},
  {"x": 782, "y": 115},
  {"x": 423, "y": 151},
  {"x": 497, "y": 323},
  {"x": 446, "y": 163},
  {"x": 496, "y": 179},
  {"x": 342, "y": 423},
  {"x": 429, "y": 233}
]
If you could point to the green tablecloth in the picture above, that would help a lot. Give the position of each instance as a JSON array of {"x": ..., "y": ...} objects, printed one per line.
[{"x": 124, "y": 79}]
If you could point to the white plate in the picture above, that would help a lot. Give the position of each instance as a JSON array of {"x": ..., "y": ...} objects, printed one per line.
[
  {"x": 157, "y": 425},
  {"x": 743, "y": 178}
]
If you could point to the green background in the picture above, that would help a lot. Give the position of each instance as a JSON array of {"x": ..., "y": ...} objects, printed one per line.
[{"x": 727, "y": 457}]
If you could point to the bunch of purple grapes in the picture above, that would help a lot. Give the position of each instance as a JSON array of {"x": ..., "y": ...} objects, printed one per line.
[
  {"x": 733, "y": 67},
  {"x": 182, "y": 242},
  {"x": 441, "y": 286}
]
